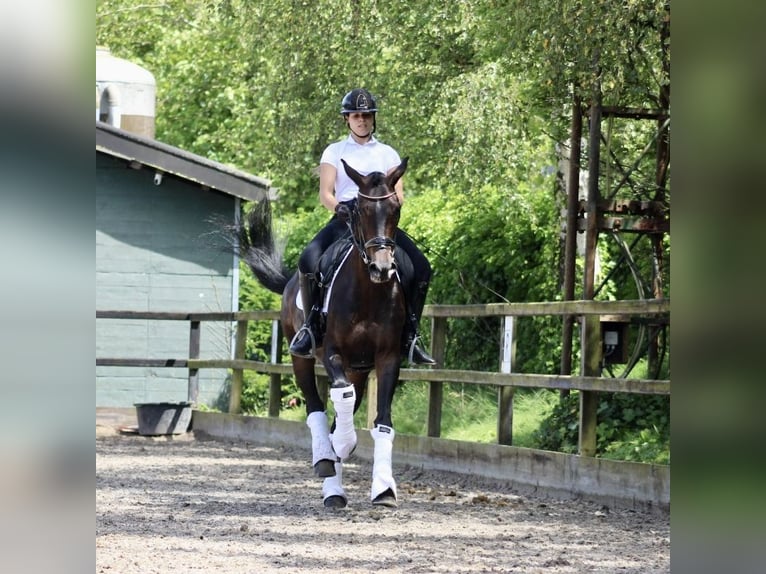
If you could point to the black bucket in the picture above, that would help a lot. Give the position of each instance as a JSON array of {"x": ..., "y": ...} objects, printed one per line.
[{"x": 163, "y": 418}]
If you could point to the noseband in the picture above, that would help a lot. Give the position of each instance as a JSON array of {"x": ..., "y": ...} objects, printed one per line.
[{"x": 379, "y": 242}]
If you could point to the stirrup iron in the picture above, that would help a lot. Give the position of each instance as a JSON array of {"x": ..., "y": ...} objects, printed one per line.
[
  {"x": 426, "y": 359},
  {"x": 313, "y": 349}
]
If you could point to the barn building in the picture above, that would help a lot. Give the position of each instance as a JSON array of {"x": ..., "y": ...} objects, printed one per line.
[{"x": 158, "y": 213}]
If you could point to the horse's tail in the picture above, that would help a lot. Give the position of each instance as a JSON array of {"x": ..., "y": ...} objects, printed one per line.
[{"x": 258, "y": 250}]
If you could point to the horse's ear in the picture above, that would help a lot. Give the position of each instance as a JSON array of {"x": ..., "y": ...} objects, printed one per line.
[
  {"x": 355, "y": 176},
  {"x": 396, "y": 175}
]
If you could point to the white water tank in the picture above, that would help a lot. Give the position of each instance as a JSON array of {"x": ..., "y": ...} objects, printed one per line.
[{"x": 125, "y": 94}]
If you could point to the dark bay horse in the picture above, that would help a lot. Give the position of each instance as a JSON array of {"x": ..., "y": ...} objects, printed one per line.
[{"x": 365, "y": 316}]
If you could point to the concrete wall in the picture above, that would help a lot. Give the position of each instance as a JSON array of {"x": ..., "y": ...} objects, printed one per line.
[{"x": 615, "y": 483}]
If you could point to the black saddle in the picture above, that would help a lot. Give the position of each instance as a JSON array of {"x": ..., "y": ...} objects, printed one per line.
[{"x": 331, "y": 260}]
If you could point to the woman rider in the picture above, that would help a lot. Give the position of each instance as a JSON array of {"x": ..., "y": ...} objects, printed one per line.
[{"x": 362, "y": 151}]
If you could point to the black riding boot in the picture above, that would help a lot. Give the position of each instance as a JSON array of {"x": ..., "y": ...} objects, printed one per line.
[
  {"x": 307, "y": 339},
  {"x": 415, "y": 354}
]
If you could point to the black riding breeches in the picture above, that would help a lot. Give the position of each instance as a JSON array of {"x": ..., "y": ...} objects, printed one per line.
[
  {"x": 421, "y": 266},
  {"x": 309, "y": 260}
]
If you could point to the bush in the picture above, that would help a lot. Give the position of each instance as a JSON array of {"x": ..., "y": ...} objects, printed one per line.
[
  {"x": 491, "y": 245},
  {"x": 630, "y": 427}
]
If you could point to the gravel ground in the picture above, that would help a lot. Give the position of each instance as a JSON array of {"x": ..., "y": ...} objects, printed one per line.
[{"x": 182, "y": 504}]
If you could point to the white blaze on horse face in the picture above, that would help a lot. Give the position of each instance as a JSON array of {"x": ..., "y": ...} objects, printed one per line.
[{"x": 382, "y": 265}]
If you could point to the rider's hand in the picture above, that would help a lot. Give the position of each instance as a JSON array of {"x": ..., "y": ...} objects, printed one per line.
[{"x": 343, "y": 212}]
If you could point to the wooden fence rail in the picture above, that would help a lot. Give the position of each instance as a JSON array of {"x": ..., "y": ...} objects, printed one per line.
[{"x": 505, "y": 382}]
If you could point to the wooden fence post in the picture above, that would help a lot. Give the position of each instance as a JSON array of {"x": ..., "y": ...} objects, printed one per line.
[
  {"x": 591, "y": 367},
  {"x": 240, "y": 342},
  {"x": 436, "y": 388},
  {"x": 194, "y": 343},
  {"x": 275, "y": 382},
  {"x": 591, "y": 324},
  {"x": 505, "y": 394},
  {"x": 570, "y": 241}
]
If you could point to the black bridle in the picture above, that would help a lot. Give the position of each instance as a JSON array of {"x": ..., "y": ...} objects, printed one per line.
[{"x": 357, "y": 237}]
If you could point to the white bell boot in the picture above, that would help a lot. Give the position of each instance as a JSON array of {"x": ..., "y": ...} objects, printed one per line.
[
  {"x": 382, "y": 473},
  {"x": 321, "y": 446},
  {"x": 344, "y": 435},
  {"x": 333, "y": 486}
]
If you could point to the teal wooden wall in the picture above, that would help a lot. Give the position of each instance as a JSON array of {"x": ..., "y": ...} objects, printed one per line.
[{"x": 156, "y": 251}]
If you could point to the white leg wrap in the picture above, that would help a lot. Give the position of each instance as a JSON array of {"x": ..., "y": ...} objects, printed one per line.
[
  {"x": 382, "y": 474},
  {"x": 344, "y": 435},
  {"x": 321, "y": 447},
  {"x": 333, "y": 486}
]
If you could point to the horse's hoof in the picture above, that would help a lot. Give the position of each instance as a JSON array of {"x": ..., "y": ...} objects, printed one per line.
[
  {"x": 386, "y": 498},
  {"x": 335, "y": 501},
  {"x": 324, "y": 468}
]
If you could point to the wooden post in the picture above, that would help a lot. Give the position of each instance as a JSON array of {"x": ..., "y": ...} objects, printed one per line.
[
  {"x": 505, "y": 394},
  {"x": 275, "y": 381},
  {"x": 240, "y": 341},
  {"x": 570, "y": 241},
  {"x": 194, "y": 343},
  {"x": 591, "y": 366},
  {"x": 591, "y": 324},
  {"x": 436, "y": 390},
  {"x": 505, "y": 415}
]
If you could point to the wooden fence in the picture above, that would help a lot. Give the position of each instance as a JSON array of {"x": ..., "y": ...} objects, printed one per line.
[{"x": 589, "y": 312}]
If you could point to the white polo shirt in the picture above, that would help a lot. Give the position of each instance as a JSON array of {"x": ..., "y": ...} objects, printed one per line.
[{"x": 372, "y": 156}]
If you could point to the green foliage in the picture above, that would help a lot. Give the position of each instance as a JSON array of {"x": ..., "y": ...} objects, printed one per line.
[
  {"x": 530, "y": 407},
  {"x": 558, "y": 44},
  {"x": 255, "y": 394},
  {"x": 491, "y": 244},
  {"x": 558, "y": 431},
  {"x": 466, "y": 410},
  {"x": 254, "y": 297},
  {"x": 630, "y": 427}
]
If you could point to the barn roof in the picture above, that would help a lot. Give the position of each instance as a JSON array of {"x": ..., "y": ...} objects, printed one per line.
[{"x": 141, "y": 152}]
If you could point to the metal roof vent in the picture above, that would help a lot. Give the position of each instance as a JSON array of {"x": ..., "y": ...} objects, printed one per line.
[{"x": 125, "y": 94}]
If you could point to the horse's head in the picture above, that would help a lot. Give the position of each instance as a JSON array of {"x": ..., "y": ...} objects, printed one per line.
[{"x": 376, "y": 219}]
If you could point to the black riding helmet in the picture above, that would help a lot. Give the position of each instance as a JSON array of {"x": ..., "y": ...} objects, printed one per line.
[{"x": 360, "y": 100}]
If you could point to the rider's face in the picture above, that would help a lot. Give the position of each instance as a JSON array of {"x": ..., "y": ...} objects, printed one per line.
[{"x": 361, "y": 122}]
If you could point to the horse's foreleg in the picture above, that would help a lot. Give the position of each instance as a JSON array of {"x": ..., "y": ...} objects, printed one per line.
[
  {"x": 344, "y": 435},
  {"x": 323, "y": 456},
  {"x": 332, "y": 489},
  {"x": 383, "y": 490}
]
